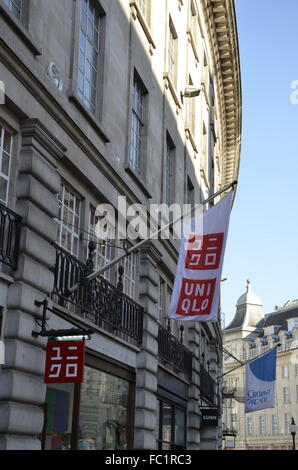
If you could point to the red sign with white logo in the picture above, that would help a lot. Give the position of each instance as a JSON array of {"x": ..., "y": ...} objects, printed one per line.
[
  {"x": 196, "y": 297},
  {"x": 196, "y": 288},
  {"x": 65, "y": 362},
  {"x": 204, "y": 252}
]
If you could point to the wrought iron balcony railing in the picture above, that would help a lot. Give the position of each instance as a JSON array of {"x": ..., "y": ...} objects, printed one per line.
[
  {"x": 98, "y": 300},
  {"x": 207, "y": 385},
  {"x": 173, "y": 353},
  {"x": 10, "y": 228}
]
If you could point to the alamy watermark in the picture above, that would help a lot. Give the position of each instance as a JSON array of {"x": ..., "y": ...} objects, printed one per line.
[{"x": 159, "y": 221}]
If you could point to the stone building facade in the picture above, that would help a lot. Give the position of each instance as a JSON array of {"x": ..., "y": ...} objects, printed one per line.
[
  {"x": 250, "y": 334},
  {"x": 96, "y": 107}
]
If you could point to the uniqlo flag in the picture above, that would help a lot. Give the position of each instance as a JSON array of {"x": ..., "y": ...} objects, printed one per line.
[
  {"x": 260, "y": 376},
  {"x": 197, "y": 283},
  {"x": 65, "y": 361}
]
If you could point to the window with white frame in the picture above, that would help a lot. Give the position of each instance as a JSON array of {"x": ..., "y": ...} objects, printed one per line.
[
  {"x": 286, "y": 394},
  {"x": 285, "y": 371},
  {"x": 103, "y": 251},
  {"x": 88, "y": 53},
  {"x": 5, "y": 160},
  {"x": 172, "y": 53},
  {"x": 287, "y": 422},
  {"x": 69, "y": 220},
  {"x": 262, "y": 427},
  {"x": 137, "y": 125},
  {"x": 129, "y": 264},
  {"x": 170, "y": 171},
  {"x": 245, "y": 353},
  {"x": 15, "y": 6},
  {"x": 249, "y": 426},
  {"x": 275, "y": 427}
]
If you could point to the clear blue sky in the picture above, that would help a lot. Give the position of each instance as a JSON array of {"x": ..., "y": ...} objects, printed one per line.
[{"x": 263, "y": 237}]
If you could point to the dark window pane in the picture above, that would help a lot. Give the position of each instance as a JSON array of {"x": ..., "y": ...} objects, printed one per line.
[
  {"x": 179, "y": 427},
  {"x": 166, "y": 422}
]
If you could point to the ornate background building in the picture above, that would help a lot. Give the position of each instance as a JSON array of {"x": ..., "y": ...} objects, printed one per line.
[
  {"x": 95, "y": 108},
  {"x": 250, "y": 334}
]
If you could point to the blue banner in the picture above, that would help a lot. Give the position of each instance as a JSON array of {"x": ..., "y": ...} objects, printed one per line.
[{"x": 260, "y": 382}]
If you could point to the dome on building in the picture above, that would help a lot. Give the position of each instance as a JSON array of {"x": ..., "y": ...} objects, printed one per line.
[
  {"x": 249, "y": 310},
  {"x": 249, "y": 297}
]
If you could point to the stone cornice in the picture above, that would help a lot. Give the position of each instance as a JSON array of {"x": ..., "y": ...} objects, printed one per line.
[
  {"x": 222, "y": 28},
  {"x": 33, "y": 129},
  {"x": 149, "y": 250}
]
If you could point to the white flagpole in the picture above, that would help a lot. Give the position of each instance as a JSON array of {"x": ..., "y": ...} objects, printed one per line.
[
  {"x": 247, "y": 362},
  {"x": 142, "y": 242}
]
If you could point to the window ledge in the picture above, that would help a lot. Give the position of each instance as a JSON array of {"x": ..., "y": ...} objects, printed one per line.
[
  {"x": 74, "y": 98},
  {"x": 6, "y": 279},
  {"x": 137, "y": 179},
  {"x": 169, "y": 85},
  {"x": 20, "y": 30},
  {"x": 137, "y": 14},
  {"x": 191, "y": 39},
  {"x": 190, "y": 137}
]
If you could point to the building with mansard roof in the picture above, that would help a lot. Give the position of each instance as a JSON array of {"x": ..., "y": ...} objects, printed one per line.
[
  {"x": 133, "y": 98},
  {"x": 250, "y": 334}
]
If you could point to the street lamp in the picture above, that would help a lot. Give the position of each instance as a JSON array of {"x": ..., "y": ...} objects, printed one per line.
[{"x": 293, "y": 430}]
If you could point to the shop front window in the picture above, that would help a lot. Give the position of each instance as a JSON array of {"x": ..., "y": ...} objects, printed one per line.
[
  {"x": 103, "y": 412},
  {"x": 172, "y": 427},
  {"x": 58, "y": 411},
  {"x": 93, "y": 415}
]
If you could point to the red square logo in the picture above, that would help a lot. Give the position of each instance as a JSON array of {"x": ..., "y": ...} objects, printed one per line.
[
  {"x": 196, "y": 297},
  {"x": 204, "y": 251},
  {"x": 65, "y": 361}
]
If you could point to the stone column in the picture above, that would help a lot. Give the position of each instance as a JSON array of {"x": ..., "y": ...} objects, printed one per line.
[
  {"x": 193, "y": 428},
  {"x": 147, "y": 361},
  {"x": 22, "y": 389}
]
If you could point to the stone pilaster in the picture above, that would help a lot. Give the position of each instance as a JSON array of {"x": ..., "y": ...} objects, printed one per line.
[
  {"x": 147, "y": 361},
  {"x": 210, "y": 436},
  {"x": 22, "y": 390},
  {"x": 193, "y": 432}
]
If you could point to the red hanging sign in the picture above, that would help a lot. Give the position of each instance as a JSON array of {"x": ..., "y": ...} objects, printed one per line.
[{"x": 65, "y": 362}]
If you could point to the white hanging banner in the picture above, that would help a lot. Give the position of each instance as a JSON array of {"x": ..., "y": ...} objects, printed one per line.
[{"x": 197, "y": 283}]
